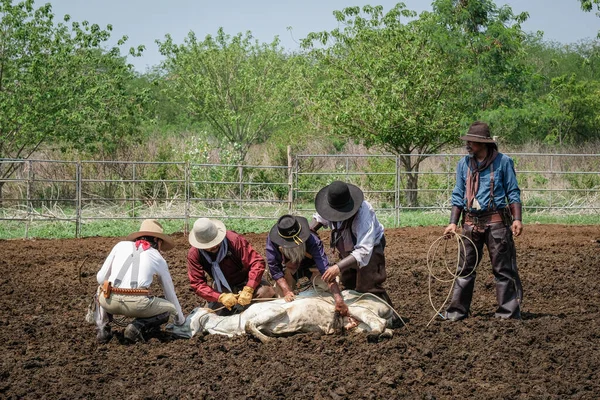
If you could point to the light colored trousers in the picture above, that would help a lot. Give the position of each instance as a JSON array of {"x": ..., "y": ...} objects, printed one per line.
[{"x": 136, "y": 306}]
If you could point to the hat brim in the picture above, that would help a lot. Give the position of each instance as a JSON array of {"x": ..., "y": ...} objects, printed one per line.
[
  {"x": 221, "y": 232},
  {"x": 168, "y": 243},
  {"x": 478, "y": 139},
  {"x": 336, "y": 215},
  {"x": 284, "y": 242}
]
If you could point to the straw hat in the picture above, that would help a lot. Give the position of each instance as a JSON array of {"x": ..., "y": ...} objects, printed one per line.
[
  {"x": 151, "y": 227},
  {"x": 207, "y": 233}
]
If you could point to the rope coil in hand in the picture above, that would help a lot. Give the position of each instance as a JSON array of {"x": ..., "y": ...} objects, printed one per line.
[{"x": 433, "y": 258}]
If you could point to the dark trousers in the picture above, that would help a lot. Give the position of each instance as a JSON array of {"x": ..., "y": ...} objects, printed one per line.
[
  {"x": 370, "y": 278},
  {"x": 501, "y": 247}
]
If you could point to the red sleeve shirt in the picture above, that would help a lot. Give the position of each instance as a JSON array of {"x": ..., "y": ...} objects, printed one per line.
[{"x": 242, "y": 266}]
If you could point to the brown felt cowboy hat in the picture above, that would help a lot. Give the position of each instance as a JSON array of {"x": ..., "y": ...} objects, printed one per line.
[
  {"x": 290, "y": 231},
  {"x": 151, "y": 227},
  {"x": 478, "y": 132},
  {"x": 207, "y": 233},
  {"x": 338, "y": 201}
]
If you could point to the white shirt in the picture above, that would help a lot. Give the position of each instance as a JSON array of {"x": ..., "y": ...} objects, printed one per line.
[
  {"x": 365, "y": 227},
  {"x": 151, "y": 262}
]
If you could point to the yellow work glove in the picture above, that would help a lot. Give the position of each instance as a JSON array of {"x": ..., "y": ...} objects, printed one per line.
[
  {"x": 228, "y": 300},
  {"x": 245, "y": 296}
]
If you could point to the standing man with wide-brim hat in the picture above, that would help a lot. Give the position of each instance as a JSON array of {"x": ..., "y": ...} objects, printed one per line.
[
  {"x": 488, "y": 196},
  {"x": 292, "y": 251},
  {"x": 125, "y": 279},
  {"x": 357, "y": 237},
  {"x": 234, "y": 266}
]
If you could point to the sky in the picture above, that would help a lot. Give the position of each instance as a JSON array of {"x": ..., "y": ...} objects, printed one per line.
[{"x": 145, "y": 21}]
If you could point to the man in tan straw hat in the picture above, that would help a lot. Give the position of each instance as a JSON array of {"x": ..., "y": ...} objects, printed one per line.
[
  {"x": 125, "y": 279},
  {"x": 234, "y": 266},
  {"x": 488, "y": 196},
  {"x": 293, "y": 250},
  {"x": 357, "y": 236}
]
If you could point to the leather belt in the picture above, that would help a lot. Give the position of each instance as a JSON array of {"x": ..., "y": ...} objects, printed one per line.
[
  {"x": 483, "y": 219},
  {"x": 108, "y": 289},
  {"x": 138, "y": 292}
]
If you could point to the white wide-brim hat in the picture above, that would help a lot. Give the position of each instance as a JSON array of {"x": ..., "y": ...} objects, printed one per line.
[
  {"x": 207, "y": 233},
  {"x": 151, "y": 227}
]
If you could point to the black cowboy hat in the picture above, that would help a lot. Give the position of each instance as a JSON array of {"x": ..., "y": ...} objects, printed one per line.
[
  {"x": 478, "y": 132},
  {"x": 338, "y": 201},
  {"x": 290, "y": 231}
]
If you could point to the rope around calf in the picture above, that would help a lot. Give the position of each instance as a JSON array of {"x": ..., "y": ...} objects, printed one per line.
[
  {"x": 431, "y": 258},
  {"x": 331, "y": 300}
]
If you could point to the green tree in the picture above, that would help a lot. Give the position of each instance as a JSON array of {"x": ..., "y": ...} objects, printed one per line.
[
  {"x": 387, "y": 83},
  {"x": 559, "y": 103},
  {"x": 588, "y": 5},
  {"x": 58, "y": 85},
  {"x": 489, "y": 42},
  {"x": 239, "y": 86},
  {"x": 408, "y": 87}
]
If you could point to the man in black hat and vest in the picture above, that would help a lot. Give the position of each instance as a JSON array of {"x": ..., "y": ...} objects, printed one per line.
[
  {"x": 488, "y": 197},
  {"x": 293, "y": 250},
  {"x": 356, "y": 235}
]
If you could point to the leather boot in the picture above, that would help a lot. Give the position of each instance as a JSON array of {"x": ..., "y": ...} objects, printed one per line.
[
  {"x": 462, "y": 292},
  {"x": 509, "y": 291},
  {"x": 460, "y": 302},
  {"x": 103, "y": 334},
  {"x": 135, "y": 331}
]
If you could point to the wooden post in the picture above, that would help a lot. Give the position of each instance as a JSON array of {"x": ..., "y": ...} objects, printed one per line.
[{"x": 290, "y": 180}]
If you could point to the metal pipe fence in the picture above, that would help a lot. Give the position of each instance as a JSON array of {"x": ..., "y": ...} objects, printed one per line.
[{"x": 80, "y": 192}]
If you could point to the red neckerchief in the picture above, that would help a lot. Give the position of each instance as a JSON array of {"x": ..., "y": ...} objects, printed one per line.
[
  {"x": 145, "y": 244},
  {"x": 473, "y": 175}
]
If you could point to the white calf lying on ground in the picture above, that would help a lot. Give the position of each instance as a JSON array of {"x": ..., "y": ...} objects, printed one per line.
[{"x": 310, "y": 312}]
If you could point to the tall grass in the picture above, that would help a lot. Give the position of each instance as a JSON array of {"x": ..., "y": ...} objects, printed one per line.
[{"x": 121, "y": 228}]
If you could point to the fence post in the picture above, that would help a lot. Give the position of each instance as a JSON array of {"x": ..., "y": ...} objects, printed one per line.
[
  {"x": 78, "y": 190},
  {"x": 347, "y": 168},
  {"x": 551, "y": 183},
  {"x": 240, "y": 180},
  {"x": 29, "y": 202},
  {"x": 188, "y": 191},
  {"x": 295, "y": 181},
  {"x": 397, "y": 193},
  {"x": 133, "y": 191},
  {"x": 290, "y": 179},
  {"x": 447, "y": 192}
]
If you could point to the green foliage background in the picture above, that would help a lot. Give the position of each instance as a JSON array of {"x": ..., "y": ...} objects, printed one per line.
[{"x": 393, "y": 82}]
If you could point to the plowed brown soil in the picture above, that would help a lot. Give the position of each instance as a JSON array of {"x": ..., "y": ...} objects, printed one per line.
[{"x": 49, "y": 351}]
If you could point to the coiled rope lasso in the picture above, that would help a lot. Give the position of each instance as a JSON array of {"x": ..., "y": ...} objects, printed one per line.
[{"x": 433, "y": 257}]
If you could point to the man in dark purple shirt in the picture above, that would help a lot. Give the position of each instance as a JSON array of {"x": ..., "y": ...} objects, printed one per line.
[{"x": 292, "y": 250}]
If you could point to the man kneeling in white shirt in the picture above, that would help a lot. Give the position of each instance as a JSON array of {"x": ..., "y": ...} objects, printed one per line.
[{"x": 125, "y": 279}]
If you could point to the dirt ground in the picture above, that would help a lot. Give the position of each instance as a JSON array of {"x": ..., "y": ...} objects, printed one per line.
[{"x": 49, "y": 351}]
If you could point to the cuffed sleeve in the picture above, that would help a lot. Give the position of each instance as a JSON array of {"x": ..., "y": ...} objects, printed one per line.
[
  {"x": 455, "y": 214},
  {"x": 516, "y": 210},
  {"x": 347, "y": 263}
]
